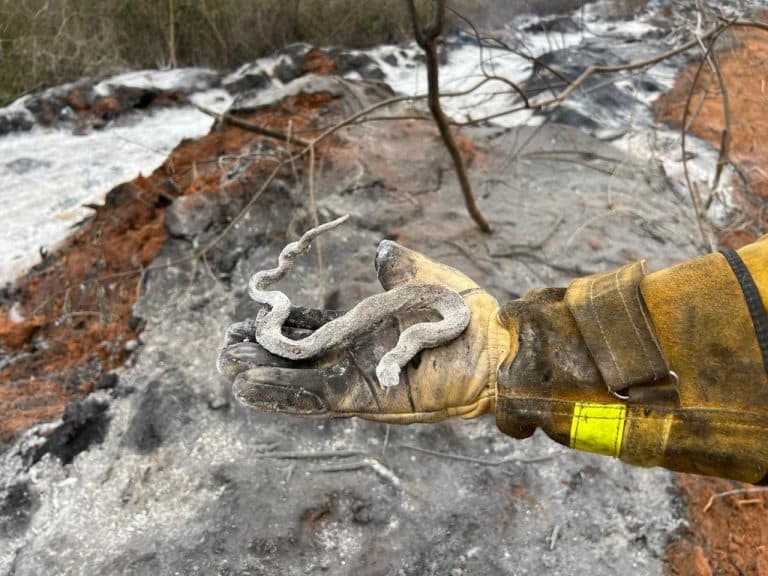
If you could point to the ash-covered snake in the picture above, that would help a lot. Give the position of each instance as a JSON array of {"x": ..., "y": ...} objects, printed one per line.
[{"x": 411, "y": 296}]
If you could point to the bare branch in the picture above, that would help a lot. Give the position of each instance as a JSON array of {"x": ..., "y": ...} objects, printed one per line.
[
  {"x": 479, "y": 40},
  {"x": 426, "y": 39},
  {"x": 725, "y": 139},
  {"x": 692, "y": 191},
  {"x": 228, "y": 118},
  {"x": 482, "y": 461},
  {"x": 731, "y": 493},
  {"x": 299, "y": 455},
  {"x": 604, "y": 69}
]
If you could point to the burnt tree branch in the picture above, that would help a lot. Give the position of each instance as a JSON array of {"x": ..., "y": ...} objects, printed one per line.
[
  {"x": 228, "y": 118},
  {"x": 426, "y": 39}
]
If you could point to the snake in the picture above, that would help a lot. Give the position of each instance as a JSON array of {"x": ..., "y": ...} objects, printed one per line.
[{"x": 371, "y": 311}]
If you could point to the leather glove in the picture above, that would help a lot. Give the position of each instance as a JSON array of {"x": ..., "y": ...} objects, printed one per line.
[
  {"x": 665, "y": 369},
  {"x": 456, "y": 379}
]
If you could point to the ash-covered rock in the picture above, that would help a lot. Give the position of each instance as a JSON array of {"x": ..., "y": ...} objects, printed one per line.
[
  {"x": 292, "y": 62},
  {"x": 164, "y": 409},
  {"x": 354, "y": 96},
  {"x": 356, "y": 62},
  {"x": 289, "y": 59},
  {"x": 190, "y": 216},
  {"x": 605, "y": 34},
  {"x": 16, "y": 504},
  {"x": 553, "y": 24},
  {"x": 86, "y": 104},
  {"x": 84, "y": 424},
  {"x": 15, "y": 121},
  {"x": 246, "y": 79}
]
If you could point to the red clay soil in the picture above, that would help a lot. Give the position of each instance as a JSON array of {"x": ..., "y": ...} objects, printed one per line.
[
  {"x": 317, "y": 62},
  {"x": 77, "y": 302},
  {"x": 745, "y": 71},
  {"x": 731, "y": 537}
]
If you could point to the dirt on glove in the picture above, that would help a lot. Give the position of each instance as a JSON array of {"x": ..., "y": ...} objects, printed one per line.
[{"x": 730, "y": 537}]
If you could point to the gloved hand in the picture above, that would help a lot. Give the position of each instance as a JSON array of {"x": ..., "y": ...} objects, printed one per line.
[
  {"x": 665, "y": 369},
  {"x": 456, "y": 379}
]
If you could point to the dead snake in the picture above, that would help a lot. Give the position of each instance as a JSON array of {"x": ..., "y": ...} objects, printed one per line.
[{"x": 410, "y": 296}]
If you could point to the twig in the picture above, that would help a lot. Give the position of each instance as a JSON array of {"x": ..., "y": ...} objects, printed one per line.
[
  {"x": 315, "y": 224},
  {"x": 302, "y": 455},
  {"x": 731, "y": 493},
  {"x": 386, "y": 440},
  {"x": 228, "y": 118},
  {"x": 553, "y": 537},
  {"x": 292, "y": 158},
  {"x": 426, "y": 38},
  {"x": 172, "y": 34},
  {"x": 513, "y": 249},
  {"x": 479, "y": 41},
  {"x": 530, "y": 255},
  {"x": 699, "y": 106},
  {"x": 725, "y": 138},
  {"x": 371, "y": 463},
  {"x": 695, "y": 200},
  {"x": 749, "y": 501},
  {"x": 577, "y": 157},
  {"x": 367, "y": 461},
  {"x": 481, "y": 461}
]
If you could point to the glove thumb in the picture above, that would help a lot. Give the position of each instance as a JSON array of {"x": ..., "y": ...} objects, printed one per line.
[{"x": 396, "y": 264}]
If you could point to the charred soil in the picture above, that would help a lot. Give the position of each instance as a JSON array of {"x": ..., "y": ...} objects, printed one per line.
[{"x": 73, "y": 320}]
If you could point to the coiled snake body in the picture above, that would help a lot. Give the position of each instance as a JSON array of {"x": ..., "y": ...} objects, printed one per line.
[{"x": 411, "y": 296}]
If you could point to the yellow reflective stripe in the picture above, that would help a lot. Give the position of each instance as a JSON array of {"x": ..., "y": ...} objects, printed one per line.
[{"x": 598, "y": 428}]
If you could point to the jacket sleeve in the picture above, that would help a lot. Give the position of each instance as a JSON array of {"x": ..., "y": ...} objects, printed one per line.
[{"x": 664, "y": 369}]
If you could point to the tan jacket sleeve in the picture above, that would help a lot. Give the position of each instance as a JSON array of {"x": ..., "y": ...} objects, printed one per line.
[{"x": 663, "y": 369}]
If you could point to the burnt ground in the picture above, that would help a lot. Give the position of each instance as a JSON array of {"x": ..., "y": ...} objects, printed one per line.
[
  {"x": 78, "y": 302},
  {"x": 732, "y": 536},
  {"x": 176, "y": 477},
  {"x": 151, "y": 469}
]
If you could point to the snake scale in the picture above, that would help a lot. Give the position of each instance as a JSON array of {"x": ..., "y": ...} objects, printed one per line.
[{"x": 410, "y": 296}]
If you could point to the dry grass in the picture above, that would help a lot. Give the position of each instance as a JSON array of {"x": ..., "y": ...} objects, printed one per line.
[{"x": 47, "y": 42}]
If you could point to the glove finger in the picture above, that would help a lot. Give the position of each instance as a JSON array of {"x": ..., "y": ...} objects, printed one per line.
[
  {"x": 241, "y": 352},
  {"x": 310, "y": 318},
  {"x": 240, "y": 331},
  {"x": 299, "y": 317},
  {"x": 282, "y": 390},
  {"x": 339, "y": 388},
  {"x": 241, "y": 356},
  {"x": 396, "y": 264},
  {"x": 300, "y": 327}
]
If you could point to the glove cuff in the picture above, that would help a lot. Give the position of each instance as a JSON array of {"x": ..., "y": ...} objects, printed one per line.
[
  {"x": 547, "y": 370},
  {"x": 502, "y": 339},
  {"x": 577, "y": 350}
]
